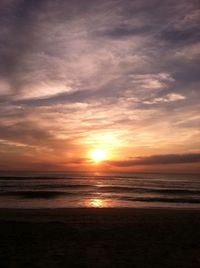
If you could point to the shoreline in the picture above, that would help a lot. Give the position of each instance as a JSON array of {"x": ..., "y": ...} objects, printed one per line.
[
  {"x": 100, "y": 238},
  {"x": 114, "y": 214}
]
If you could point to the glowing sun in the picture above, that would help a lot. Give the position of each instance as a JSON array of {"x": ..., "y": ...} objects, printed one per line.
[{"x": 98, "y": 155}]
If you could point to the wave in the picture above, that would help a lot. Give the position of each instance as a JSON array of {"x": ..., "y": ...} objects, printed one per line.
[
  {"x": 35, "y": 194},
  {"x": 48, "y": 186},
  {"x": 119, "y": 189},
  {"x": 162, "y": 200}
]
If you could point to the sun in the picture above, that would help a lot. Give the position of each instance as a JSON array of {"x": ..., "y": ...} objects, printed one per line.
[{"x": 98, "y": 155}]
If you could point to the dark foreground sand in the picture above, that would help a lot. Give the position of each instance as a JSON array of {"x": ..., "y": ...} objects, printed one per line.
[{"x": 99, "y": 238}]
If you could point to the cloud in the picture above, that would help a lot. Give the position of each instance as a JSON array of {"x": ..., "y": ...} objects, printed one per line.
[
  {"x": 73, "y": 70},
  {"x": 168, "y": 98},
  {"x": 159, "y": 160},
  {"x": 27, "y": 133}
]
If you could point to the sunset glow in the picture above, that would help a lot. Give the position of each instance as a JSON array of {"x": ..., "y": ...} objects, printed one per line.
[{"x": 93, "y": 85}]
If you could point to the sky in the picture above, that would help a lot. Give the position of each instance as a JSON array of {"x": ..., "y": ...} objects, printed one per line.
[{"x": 121, "y": 76}]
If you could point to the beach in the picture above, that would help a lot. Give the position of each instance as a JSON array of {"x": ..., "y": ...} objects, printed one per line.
[{"x": 100, "y": 237}]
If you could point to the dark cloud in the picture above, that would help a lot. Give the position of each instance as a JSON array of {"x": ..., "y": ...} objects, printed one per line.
[
  {"x": 177, "y": 37},
  {"x": 159, "y": 160},
  {"x": 77, "y": 96},
  {"x": 123, "y": 32},
  {"x": 25, "y": 133},
  {"x": 37, "y": 35}
]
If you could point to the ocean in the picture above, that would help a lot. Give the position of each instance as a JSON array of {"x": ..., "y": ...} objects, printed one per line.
[{"x": 140, "y": 190}]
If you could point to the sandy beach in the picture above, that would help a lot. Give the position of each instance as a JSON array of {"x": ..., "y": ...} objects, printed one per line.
[{"x": 100, "y": 238}]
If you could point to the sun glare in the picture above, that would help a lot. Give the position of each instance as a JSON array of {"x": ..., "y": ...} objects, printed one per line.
[
  {"x": 96, "y": 203},
  {"x": 98, "y": 155}
]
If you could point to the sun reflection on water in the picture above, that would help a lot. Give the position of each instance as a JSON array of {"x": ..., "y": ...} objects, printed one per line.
[{"x": 97, "y": 203}]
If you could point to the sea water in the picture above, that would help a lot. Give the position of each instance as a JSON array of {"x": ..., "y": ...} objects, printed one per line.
[{"x": 98, "y": 190}]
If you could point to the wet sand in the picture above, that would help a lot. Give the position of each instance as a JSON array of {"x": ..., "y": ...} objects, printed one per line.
[{"x": 90, "y": 238}]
